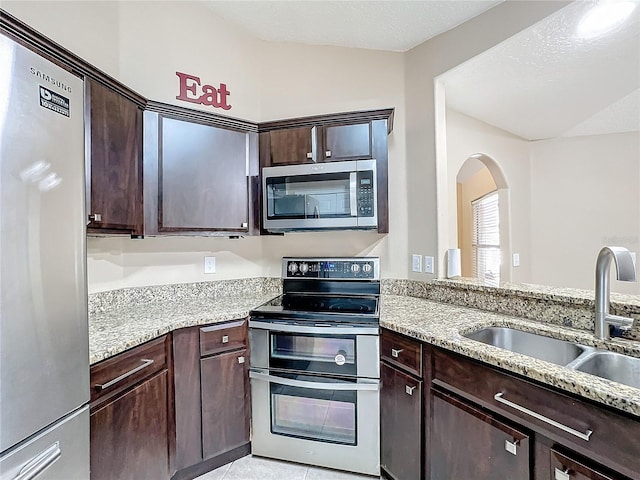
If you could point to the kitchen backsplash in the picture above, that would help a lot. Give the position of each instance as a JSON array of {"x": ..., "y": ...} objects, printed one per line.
[
  {"x": 102, "y": 301},
  {"x": 561, "y": 306}
]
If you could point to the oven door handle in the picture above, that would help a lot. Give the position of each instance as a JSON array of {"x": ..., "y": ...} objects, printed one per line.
[
  {"x": 373, "y": 386},
  {"x": 330, "y": 330}
]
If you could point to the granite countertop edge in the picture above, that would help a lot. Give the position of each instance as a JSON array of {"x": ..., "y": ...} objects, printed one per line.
[{"x": 440, "y": 324}]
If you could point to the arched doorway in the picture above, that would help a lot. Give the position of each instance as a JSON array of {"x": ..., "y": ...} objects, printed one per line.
[{"x": 483, "y": 220}]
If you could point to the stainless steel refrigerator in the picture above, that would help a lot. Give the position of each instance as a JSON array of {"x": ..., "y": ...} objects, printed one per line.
[{"x": 44, "y": 358}]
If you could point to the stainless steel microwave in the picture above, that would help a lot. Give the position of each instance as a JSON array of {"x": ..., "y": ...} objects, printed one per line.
[{"x": 329, "y": 195}]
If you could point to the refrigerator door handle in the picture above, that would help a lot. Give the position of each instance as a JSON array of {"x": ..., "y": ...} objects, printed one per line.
[{"x": 40, "y": 463}]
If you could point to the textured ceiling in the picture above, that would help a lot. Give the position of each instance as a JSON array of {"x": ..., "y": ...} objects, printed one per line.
[
  {"x": 395, "y": 25},
  {"x": 546, "y": 82}
]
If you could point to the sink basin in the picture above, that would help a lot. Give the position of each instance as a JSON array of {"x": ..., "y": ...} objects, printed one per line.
[
  {"x": 612, "y": 366},
  {"x": 538, "y": 346}
]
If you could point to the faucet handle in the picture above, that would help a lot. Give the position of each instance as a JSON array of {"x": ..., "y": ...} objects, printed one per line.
[{"x": 618, "y": 330}]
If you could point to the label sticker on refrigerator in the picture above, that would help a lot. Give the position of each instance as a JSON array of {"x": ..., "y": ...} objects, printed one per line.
[{"x": 54, "y": 102}]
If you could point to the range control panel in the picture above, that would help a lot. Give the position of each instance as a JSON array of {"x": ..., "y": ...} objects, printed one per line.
[{"x": 356, "y": 268}]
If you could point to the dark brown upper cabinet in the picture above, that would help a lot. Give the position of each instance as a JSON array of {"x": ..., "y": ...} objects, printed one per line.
[
  {"x": 325, "y": 138},
  {"x": 201, "y": 173},
  {"x": 113, "y": 135}
]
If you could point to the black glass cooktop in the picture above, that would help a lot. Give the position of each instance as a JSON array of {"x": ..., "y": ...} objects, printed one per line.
[{"x": 333, "y": 308}]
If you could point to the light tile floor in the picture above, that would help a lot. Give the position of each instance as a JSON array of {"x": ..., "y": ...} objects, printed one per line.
[{"x": 258, "y": 468}]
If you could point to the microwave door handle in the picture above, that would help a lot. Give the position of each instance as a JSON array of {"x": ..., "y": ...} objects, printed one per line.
[
  {"x": 353, "y": 192},
  {"x": 373, "y": 386}
]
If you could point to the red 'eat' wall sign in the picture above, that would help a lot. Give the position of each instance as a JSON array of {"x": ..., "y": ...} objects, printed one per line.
[{"x": 216, "y": 97}]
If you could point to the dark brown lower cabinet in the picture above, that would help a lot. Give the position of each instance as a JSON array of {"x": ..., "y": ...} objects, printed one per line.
[
  {"x": 225, "y": 410},
  {"x": 400, "y": 425},
  {"x": 129, "y": 434},
  {"x": 467, "y": 443}
]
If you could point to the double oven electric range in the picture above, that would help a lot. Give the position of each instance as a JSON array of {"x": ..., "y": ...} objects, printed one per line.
[{"x": 315, "y": 375}]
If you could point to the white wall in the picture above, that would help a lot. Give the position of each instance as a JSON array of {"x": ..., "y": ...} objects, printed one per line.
[
  {"x": 143, "y": 44},
  {"x": 584, "y": 195},
  {"x": 569, "y": 197},
  {"x": 467, "y": 136},
  {"x": 424, "y": 64}
]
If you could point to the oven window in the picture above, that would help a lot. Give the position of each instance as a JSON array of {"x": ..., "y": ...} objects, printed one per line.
[
  {"x": 309, "y": 196},
  {"x": 313, "y": 353},
  {"x": 319, "y": 415}
]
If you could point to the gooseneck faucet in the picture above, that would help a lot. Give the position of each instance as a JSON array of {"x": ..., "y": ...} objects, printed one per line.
[{"x": 626, "y": 272}]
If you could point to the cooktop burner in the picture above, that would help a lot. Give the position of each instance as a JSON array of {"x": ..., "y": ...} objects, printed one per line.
[
  {"x": 319, "y": 308},
  {"x": 328, "y": 304}
]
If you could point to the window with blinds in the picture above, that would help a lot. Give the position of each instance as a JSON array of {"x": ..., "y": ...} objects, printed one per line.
[{"x": 486, "y": 239}]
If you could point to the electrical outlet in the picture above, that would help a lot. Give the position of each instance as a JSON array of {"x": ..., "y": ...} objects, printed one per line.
[
  {"x": 428, "y": 264},
  {"x": 516, "y": 260},
  {"x": 416, "y": 263},
  {"x": 209, "y": 264}
]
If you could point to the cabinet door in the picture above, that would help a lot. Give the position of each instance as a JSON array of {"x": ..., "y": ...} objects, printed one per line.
[
  {"x": 565, "y": 468},
  {"x": 114, "y": 165},
  {"x": 400, "y": 424},
  {"x": 292, "y": 146},
  {"x": 225, "y": 402},
  {"x": 347, "y": 142},
  {"x": 469, "y": 443},
  {"x": 202, "y": 178},
  {"x": 129, "y": 435}
]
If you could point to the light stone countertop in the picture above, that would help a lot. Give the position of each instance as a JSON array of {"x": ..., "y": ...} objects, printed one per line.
[
  {"x": 113, "y": 331},
  {"x": 126, "y": 325},
  {"x": 443, "y": 325}
]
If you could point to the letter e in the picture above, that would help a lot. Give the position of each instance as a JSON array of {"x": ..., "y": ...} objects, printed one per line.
[{"x": 184, "y": 88}]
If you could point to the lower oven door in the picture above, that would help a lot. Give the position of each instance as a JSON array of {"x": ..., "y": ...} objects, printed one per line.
[
  {"x": 332, "y": 350},
  {"x": 319, "y": 421}
]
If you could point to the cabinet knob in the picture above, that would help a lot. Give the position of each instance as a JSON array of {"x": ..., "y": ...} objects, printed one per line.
[
  {"x": 511, "y": 447},
  {"x": 309, "y": 155},
  {"x": 225, "y": 339},
  {"x": 395, "y": 353},
  {"x": 562, "y": 474},
  {"x": 95, "y": 217},
  {"x": 409, "y": 389},
  {"x": 240, "y": 360},
  {"x": 244, "y": 225},
  {"x": 327, "y": 153}
]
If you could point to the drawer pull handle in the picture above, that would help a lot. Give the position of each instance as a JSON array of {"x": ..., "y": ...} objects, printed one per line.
[
  {"x": 225, "y": 339},
  {"x": 240, "y": 360},
  {"x": 395, "y": 353},
  {"x": 409, "y": 389},
  {"x": 562, "y": 474},
  {"x": 40, "y": 463},
  {"x": 145, "y": 363},
  {"x": 511, "y": 447},
  {"x": 584, "y": 436}
]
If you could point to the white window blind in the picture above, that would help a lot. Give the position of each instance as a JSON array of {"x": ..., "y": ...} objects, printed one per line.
[{"x": 486, "y": 239}]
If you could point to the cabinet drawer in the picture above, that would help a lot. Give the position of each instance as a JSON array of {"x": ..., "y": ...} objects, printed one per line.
[
  {"x": 559, "y": 416},
  {"x": 402, "y": 352},
  {"x": 222, "y": 337},
  {"x": 115, "y": 374},
  {"x": 566, "y": 468}
]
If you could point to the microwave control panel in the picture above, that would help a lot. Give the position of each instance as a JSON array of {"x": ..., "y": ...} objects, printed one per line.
[{"x": 366, "y": 197}]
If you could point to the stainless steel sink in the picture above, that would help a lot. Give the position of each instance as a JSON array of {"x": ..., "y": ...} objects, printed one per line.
[
  {"x": 544, "y": 348},
  {"x": 612, "y": 366}
]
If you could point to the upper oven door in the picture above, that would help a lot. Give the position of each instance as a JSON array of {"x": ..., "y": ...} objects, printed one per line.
[
  {"x": 327, "y": 195},
  {"x": 343, "y": 351}
]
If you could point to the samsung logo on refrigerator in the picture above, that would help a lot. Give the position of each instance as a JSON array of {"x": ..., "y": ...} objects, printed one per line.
[{"x": 49, "y": 79}]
